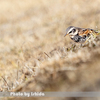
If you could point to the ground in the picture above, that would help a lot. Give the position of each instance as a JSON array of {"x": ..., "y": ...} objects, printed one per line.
[{"x": 35, "y": 55}]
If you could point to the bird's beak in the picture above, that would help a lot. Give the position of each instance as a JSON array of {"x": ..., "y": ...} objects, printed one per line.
[{"x": 66, "y": 34}]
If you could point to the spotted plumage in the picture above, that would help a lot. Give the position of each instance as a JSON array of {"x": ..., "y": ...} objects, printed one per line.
[{"x": 79, "y": 35}]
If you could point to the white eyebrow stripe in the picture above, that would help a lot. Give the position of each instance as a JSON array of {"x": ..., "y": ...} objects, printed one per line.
[{"x": 71, "y": 29}]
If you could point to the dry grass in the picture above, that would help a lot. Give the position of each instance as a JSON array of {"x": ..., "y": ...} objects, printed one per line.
[{"x": 32, "y": 42}]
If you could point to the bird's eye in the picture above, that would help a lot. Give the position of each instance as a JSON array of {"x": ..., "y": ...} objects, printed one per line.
[{"x": 74, "y": 30}]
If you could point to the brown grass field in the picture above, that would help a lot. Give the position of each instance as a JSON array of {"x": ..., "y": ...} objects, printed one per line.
[{"x": 35, "y": 55}]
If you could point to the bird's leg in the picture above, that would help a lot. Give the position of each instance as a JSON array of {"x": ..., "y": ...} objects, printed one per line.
[{"x": 81, "y": 45}]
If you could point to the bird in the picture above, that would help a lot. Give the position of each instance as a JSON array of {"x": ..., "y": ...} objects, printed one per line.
[{"x": 80, "y": 35}]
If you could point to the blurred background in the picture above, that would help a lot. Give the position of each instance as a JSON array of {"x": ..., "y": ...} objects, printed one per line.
[
  {"x": 32, "y": 35},
  {"x": 44, "y": 20}
]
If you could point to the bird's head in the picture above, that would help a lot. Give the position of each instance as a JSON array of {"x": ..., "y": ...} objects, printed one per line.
[{"x": 71, "y": 30}]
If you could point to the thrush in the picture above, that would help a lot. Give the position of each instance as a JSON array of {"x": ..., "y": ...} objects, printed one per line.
[{"x": 80, "y": 35}]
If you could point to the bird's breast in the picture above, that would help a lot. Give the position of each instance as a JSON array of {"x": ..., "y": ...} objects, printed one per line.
[{"x": 78, "y": 38}]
